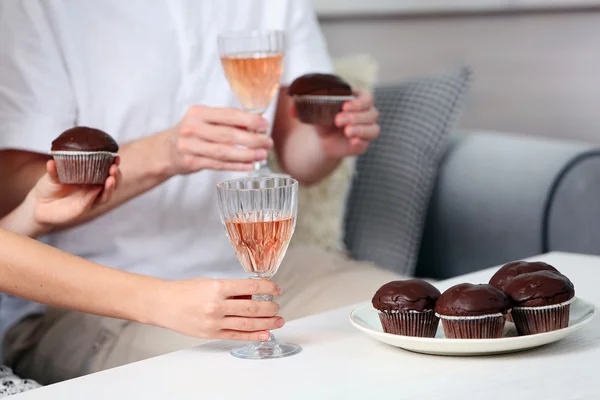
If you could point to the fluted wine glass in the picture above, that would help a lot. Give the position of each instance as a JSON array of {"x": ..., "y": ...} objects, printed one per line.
[
  {"x": 253, "y": 61},
  {"x": 259, "y": 216}
]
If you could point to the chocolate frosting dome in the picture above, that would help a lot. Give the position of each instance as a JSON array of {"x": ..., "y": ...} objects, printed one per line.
[
  {"x": 82, "y": 138},
  {"x": 502, "y": 277},
  {"x": 320, "y": 85},
  {"x": 541, "y": 288},
  {"x": 406, "y": 295},
  {"x": 467, "y": 299}
]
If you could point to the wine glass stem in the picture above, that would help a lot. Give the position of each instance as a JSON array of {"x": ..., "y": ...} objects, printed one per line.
[
  {"x": 260, "y": 168},
  {"x": 265, "y": 297}
]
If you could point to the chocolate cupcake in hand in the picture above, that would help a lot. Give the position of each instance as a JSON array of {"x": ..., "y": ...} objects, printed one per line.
[
  {"x": 469, "y": 311},
  {"x": 84, "y": 155},
  {"x": 541, "y": 301},
  {"x": 318, "y": 98},
  {"x": 407, "y": 308}
]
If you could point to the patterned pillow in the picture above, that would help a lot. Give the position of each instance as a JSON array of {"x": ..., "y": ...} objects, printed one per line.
[{"x": 395, "y": 178}]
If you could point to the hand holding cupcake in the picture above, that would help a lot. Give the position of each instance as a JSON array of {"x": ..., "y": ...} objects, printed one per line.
[{"x": 346, "y": 120}]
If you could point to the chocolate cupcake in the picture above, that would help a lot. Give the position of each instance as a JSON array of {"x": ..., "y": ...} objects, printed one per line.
[
  {"x": 472, "y": 311},
  {"x": 503, "y": 276},
  {"x": 84, "y": 155},
  {"x": 407, "y": 308},
  {"x": 319, "y": 98},
  {"x": 511, "y": 270},
  {"x": 541, "y": 301}
]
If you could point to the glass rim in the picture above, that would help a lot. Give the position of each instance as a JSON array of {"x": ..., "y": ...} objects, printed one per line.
[
  {"x": 223, "y": 185},
  {"x": 251, "y": 33}
]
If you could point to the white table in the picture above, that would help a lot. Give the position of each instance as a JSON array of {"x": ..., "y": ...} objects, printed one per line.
[{"x": 339, "y": 362}]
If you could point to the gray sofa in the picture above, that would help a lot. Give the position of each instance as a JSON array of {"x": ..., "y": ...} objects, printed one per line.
[{"x": 502, "y": 197}]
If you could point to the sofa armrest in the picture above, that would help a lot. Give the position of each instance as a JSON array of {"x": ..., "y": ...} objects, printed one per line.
[{"x": 500, "y": 197}]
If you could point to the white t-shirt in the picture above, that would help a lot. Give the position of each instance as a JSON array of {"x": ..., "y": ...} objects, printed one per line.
[{"x": 132, "y": 68}]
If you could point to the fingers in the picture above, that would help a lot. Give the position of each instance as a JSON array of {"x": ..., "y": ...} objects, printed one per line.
[
  {"x": 115, "y": 172},
  {"x": 357, "y": 146},
  {"x": 357, "y": 118},
  {"x": 250, "y": 308},
  {"x": 363, "y": 132},
  {"x": 111, "y": 184},
  {"x": 239, "y": 287},
  {"x": 243, "y": 336},
  {"x": 222, "y": 152},
  {"x": 195, "y": 163},
  {"x": 228, "y": 116},
  {"x": 90, "y": 194},
  {"x": 362, "y": 102},
  {"x": 252, "y": 324},
  {"x": 226, "y": 135},
  {"x": 52, "y": 172}
]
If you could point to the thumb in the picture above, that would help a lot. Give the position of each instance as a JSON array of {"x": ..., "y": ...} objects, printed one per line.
[{"x": 52, "y": 172}]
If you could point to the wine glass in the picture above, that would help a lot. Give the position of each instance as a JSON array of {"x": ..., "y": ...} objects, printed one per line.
[
  {"x": 253, "y": 61},
  {"x": 259, "y": 216}
]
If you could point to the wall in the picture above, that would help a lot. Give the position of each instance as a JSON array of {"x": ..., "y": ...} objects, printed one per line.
[{"x": 535, "y": 72}]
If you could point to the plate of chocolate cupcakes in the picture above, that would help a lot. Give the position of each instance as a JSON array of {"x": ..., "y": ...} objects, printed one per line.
[{"x": 523, "y": 306}]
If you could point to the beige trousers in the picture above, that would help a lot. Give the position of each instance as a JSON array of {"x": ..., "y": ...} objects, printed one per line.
[{"x": 65, "y": 344}]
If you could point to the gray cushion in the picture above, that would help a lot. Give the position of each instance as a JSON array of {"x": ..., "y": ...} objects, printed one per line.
[{"x": 395, "y": 177}]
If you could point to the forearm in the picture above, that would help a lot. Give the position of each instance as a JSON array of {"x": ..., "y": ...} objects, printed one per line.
[
  {"x": 19, "y": 172},
  {"x": 144, "y": 165},
  {"x": 40, "y": 273},
  {"x": 301, "y": 155},
  {"x": 21, "y": 220}
]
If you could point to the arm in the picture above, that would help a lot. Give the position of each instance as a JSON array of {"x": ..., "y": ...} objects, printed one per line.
[
  {"x": 310, "y": 153},
  {"x": 206, "y": 138},
  {"x": 63, "y": 280},
  {"x": 50, "y": 204},
  {"x": 37, "y": 103},
  {"x": 202, "y": 308}
]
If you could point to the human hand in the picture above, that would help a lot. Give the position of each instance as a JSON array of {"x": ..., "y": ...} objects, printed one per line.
[
  {"x": 55, "y": 204},
  {"x": 217, "y": 309},
  {"x": 355, "y": 127},
  {"x": 217, "y": 138}
]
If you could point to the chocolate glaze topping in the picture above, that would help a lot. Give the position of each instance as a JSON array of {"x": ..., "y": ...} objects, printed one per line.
[
  {"x": 410, "y": 294},
  {"x": 502, "y": 277},
  {"x": 467, "y": 299},
  {"x": 541, "y": 288},
  {"x": 82, "y": 138},
  {"x": 320, "y": 85}
]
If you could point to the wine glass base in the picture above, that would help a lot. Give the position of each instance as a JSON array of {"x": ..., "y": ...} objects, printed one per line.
[{"x": 266, "y": 350}]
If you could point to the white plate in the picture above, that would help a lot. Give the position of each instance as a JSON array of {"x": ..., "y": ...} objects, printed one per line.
[{"x": 365, "y": 318}]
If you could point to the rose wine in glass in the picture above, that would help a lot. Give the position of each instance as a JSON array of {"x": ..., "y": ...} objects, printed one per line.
[
  {"x": 259, "y": 216},
  {"x": 253, "y": 61}
]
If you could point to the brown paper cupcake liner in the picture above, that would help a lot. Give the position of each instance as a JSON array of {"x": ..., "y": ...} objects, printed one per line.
[
  {"x": 476, "y": 327},
  {"x": 319, "y": 110},
  {"x": 532, "y": 320},
  {"x": 410, "y": 323},
  {"x": 82, "y": 167}
]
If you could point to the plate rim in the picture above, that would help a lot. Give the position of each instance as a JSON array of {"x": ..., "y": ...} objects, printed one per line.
[{"x": 525, "y": 338}]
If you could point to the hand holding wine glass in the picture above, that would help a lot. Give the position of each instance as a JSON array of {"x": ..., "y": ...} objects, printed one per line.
[
  {"x": 253, "y": 62},
  {"x": 212, "y": 309},
  {"x": 259, "y": 216},
  {"x": 216, "y": 138}
]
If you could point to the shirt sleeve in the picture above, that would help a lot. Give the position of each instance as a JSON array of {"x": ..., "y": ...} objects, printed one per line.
[
  {"x": 36, "y": 100},
  {"x": 306, "y": 50}
]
